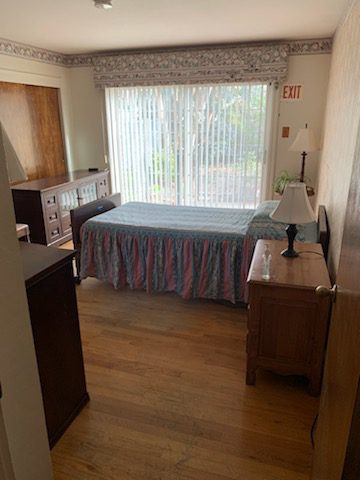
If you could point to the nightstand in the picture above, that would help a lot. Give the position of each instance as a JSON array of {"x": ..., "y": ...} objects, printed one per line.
[{"x": 287, "y": 322}]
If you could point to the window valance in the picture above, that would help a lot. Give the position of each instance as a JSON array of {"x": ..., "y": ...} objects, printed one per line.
[{"x": 201, "y": 65}]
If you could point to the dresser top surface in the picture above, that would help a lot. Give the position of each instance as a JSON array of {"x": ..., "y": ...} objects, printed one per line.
[
  {"x": 48, "y": 183},
  {"x": 39, "y": 259},
  {"x": 306, "y": 271}
]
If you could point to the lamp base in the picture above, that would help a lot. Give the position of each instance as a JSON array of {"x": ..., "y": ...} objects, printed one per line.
[
  {"x": 289, "y": 253},
  {"x": 291, "y": 232}
]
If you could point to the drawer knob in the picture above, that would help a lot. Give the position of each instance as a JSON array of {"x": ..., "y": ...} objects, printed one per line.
[{"x": 322, "y": 291}]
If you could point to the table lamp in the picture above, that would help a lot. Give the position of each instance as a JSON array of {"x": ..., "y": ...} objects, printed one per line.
[
  {"x": 294, "y": 208},
  {"x": 304, "y": 142}
]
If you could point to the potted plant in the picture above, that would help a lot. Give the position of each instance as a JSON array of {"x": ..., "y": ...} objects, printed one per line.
[{"x": 284, "y": 178}]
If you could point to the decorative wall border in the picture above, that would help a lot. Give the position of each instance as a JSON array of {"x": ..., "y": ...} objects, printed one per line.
[
  {"x": 310, "y": 47},
  {"x": 16, "y": 49}
]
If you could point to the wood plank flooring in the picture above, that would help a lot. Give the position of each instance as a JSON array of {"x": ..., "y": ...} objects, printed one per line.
[{"x": 166, "y": 379}]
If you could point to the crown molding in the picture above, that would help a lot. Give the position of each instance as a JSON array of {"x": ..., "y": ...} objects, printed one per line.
[{"x": 28, "y": 52}]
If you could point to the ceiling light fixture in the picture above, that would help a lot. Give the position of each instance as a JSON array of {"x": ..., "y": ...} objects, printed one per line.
[{"x": 104, "y": 4}]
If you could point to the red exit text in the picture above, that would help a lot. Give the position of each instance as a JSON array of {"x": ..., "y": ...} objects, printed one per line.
[{"x": 291, "y": 92}]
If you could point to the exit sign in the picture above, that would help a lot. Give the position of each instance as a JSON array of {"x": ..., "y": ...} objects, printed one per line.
[{"x": 292, "y": 92}]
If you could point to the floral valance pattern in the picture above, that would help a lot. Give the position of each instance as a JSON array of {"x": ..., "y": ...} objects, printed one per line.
[{"x": 228, "y": 64}]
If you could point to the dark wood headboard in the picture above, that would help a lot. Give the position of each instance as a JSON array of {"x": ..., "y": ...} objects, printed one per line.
[
  {"x": 323, "y": 230},
  {"x": 79, "y": 216}
]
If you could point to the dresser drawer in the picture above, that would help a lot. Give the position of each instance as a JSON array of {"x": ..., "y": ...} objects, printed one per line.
[
  {"x": 103, "y": 187},
  {"x": 53, "y": 232},
  {"x": 50, "y": 199},
  {"x": 103, "y": 182},
  {"x": 103, "y": 193},
  {"x": 52, "y": 216}
]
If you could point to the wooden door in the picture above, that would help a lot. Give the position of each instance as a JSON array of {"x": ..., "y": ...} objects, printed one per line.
[
  {"x": 31, "y": 117},
  {"x": 6, "y": 468},
  {"x": 337, "y": 448}
]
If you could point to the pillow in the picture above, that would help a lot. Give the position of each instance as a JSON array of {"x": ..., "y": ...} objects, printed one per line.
[
  {"x": 264, "y": 209},
  {"x": 262, "y": 226}
]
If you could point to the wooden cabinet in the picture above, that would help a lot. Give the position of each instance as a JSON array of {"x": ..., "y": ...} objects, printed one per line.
[
  {"x": 287, "y": 322},
  {"x": 55, "y": 325},
  {"x": 45, "y": 204}
]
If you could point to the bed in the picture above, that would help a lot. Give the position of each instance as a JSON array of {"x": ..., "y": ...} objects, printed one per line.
[{"x": 195, "y": 251}]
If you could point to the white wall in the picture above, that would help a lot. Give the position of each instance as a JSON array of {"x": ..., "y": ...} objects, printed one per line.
[
  {"x": 341, "y": 125},
  {"x": 87, "y": 105},
  {"x": 311, "y": 71},
  {"x": 21, "y": 404},
  {"x": 31, "y": 72}
]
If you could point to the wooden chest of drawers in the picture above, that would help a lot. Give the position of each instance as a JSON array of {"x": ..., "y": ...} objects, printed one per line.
[
  {"x": 288, "y": 322},
  {"x": 53, "y": 311},
  {"x": 45, "y": 204}
]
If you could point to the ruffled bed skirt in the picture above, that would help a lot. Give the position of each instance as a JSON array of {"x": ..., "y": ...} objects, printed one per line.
[{"x": 192, "y": 267}]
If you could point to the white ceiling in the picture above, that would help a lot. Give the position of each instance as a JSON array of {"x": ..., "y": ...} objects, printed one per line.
[{"x": 76, "y": 26}]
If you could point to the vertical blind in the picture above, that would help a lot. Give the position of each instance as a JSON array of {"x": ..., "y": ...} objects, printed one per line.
[{"x": 188, "y": 145}]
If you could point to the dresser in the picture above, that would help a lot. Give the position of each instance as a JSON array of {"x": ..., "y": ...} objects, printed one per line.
[
  {"x": 55, "y": 326},
  {"x": 45, "y": 204},
  {"x": 287, "y": 321}
]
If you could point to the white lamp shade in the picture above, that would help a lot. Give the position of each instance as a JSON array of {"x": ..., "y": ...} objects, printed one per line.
[
  {"x": 15, "y": 170},
  {"x": 305, "y": 141},
  {"x": 294, "y": 206}
]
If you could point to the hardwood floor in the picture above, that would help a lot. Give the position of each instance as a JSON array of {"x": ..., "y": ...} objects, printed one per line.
[{"x": 166, "y": 379}]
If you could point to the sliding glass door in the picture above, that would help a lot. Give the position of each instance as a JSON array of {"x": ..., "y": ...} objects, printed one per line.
[{"x": 188, "y": 145}]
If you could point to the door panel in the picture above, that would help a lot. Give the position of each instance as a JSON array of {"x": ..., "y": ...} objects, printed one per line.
[
  {"x": 6, "y": 469},
  {"x": 352, "y": 460},
  {"x": 337, "y": 412},
  {"x": 31, "y": 117}
]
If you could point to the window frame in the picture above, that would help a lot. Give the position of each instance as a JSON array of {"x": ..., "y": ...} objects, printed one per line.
[{"x": 270, "y": 135}]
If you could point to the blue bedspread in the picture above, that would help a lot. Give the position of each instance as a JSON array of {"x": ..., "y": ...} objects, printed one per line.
[{"x": 175, "y": 220}]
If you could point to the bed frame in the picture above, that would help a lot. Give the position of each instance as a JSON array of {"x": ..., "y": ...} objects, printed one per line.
[
  {"x": 81, "y": 214},
  {"x": 323, "y": 230}
]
